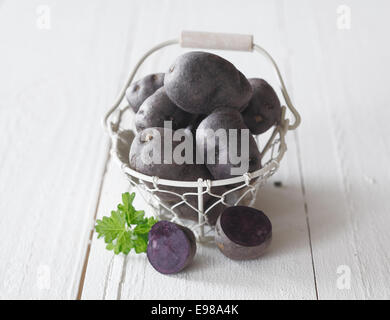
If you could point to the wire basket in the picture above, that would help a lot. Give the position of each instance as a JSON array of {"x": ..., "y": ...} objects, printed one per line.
[{"x": 198, "y": 203}]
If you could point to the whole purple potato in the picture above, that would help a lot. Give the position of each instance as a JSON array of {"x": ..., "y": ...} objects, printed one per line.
[
  {"x": 243, "y": 233},
  {"x": 171, "y": 247},
  {"x": 138, "y": 91},
  {"x": 150, "y": 143},
  {"x": 200, "y": 82},
  {"x": 226, "y": 118},
  {"x": 264, "y": 109},
  {"x": 157, "y": 109}
]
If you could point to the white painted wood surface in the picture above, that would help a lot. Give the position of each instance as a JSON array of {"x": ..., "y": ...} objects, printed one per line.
[{"x": 56, "y": 174}]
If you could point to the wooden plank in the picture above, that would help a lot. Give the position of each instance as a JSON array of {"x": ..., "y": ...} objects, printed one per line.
[
  {"x": 55, "y": 85},
  {"x": 286, "y": 272},
  {"x": 53, "y": 159},
  {"x": 338, "y": 84}
]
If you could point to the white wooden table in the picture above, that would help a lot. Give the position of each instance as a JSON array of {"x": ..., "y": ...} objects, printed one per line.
[{"x": 62, "y": 64}]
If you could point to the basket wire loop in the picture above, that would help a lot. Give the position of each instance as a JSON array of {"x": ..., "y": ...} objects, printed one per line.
[
  {"x": 239, "y": 190},
  {"x": 200, "y": 207},
  {"x": 248, "y": 178},
  {"x": 155, "y": 182}
]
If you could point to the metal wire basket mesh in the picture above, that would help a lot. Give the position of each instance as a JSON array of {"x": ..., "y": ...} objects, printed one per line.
[{"x": 196, "y": 204}]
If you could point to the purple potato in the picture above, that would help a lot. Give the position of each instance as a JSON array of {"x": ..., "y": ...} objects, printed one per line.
[
  {"x": 200, "y": 82},
  {"x": 264, "y": 109},
  {"x": 243, "y": 233},
  {"x": 226, "y": 118},
  {"x": 157, "y": 109},
  {"x": 171, "y": 247},
  {"x": 151, "y": 142},
  {"x": 138, "y": 91}
]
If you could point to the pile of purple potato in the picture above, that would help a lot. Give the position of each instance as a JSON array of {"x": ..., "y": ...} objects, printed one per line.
[{"x": 201, "y": 91}]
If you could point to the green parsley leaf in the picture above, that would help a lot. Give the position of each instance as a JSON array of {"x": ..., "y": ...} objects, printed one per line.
[
  {"x": 144, "y": 226},
  {"x": 123, "y": 243},
  {"x": 111, "y": 227},
  {"x": 117, "y": 229},
  {"x": 141, "y": 243}
]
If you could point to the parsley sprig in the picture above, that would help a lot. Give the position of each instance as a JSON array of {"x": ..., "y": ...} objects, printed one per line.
[{"x": 126, "y": 228}]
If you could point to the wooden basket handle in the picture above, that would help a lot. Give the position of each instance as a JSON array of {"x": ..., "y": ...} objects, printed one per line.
[{"x": 218, "y": 41}]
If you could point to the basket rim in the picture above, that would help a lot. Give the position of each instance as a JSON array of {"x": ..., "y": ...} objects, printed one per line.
[
  {"x": 202, "y": 182},
  {"x": 246, "y": 177}
]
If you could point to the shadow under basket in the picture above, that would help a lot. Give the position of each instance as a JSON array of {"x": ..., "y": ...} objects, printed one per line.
[{"x": 197, "y": 204}]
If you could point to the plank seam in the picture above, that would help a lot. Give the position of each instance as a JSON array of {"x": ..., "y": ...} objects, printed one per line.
[
  {"x": 123, "y": 278},
  {"x": 337, "y": 136},
  {"x": 280, "y": 9},
  {"x": 107, "y": 277},
  {"x": 302, "y": 181},
  {"x": 92, "y": 231}
]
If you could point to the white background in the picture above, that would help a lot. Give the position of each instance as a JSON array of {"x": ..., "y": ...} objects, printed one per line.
[{"x": 62, "y": 65}]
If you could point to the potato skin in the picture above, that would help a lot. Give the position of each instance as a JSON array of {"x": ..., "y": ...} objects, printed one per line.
[
  {"x": 263, "y": 110},
  {"x": 185, "y": 172},
  {"x": 200, "y": 82},
  {"x": 225, "y": 118},
  {"x": 235, "y": 249},
  {"x": 157, "y": 109},
  {"x": 138, "y": 91}
]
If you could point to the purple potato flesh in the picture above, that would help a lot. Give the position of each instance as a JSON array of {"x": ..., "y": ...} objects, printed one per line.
[
  {"x": 243, "y": 233},
  {"x": 171, "y": 247}
]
